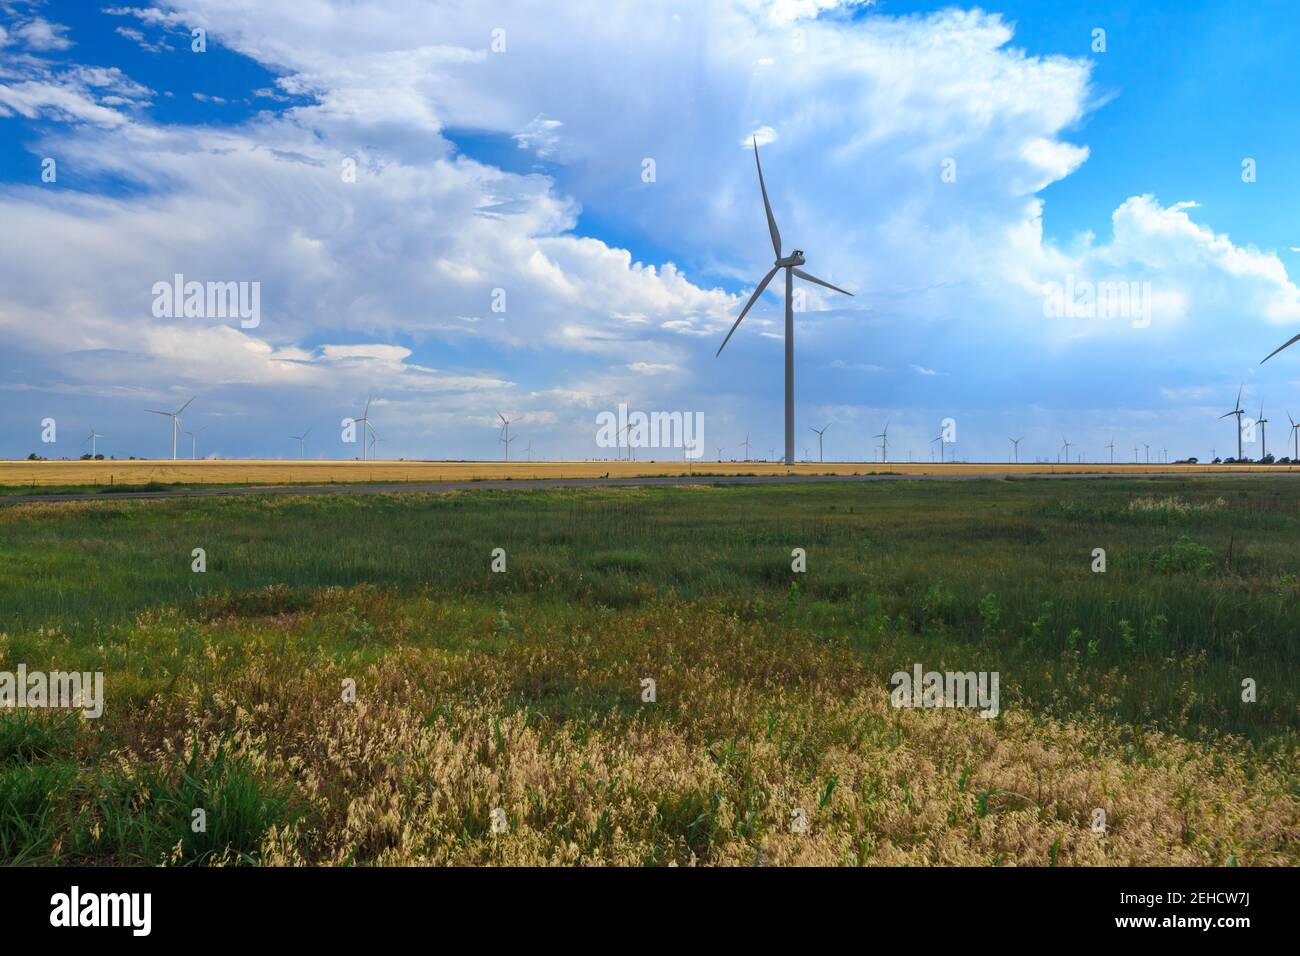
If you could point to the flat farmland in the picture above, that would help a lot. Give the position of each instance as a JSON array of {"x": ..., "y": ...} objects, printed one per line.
[
  {"x": 18, "y": 475},
  {"x": 649, "y": 677}
]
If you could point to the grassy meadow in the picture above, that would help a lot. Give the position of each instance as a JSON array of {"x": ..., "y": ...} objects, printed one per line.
[{"x": 517, "y": 697}]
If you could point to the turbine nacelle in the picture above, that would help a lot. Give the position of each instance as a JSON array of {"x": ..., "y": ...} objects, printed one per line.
[{"x": 793, "y": 259}]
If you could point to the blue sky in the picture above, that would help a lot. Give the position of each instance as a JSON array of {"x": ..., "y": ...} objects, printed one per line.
[{"x": 520, "y": 170}]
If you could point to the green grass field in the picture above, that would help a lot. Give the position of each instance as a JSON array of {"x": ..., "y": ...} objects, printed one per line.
[{"x": 517, "y": 696}]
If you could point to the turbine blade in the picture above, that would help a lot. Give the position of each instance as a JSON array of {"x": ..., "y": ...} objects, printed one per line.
[
  {"x": 1226, "y": 414},
  {"x": 154, "y": 411},
  {"x": 186, "y": 405},
  {"x": 748, "y": 305},
  {"x": 812, "y": 278},
  {"x": 1291, "y": 341},
  {"x": 771, "y": 220},
  {"x": 1239, "y": 389}
]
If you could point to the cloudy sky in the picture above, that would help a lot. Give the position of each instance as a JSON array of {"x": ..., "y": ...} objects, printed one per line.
[{"x": 449, "y": 206}]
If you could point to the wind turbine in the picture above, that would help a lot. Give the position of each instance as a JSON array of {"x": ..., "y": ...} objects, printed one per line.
[
  {"x": 374, "y": 442},
  {"x": 1238, "y": 412},
  {"x": 529, "y": 450},
  {"x": 1147, "y": 446},
  {"x": 364, "y": 421},
  {"x": 820, "y": 456},
  {"x": 1015, "y": 446},
  {"x": 194, "y": 443},
  {"x": 745, "y": 445},
  {"x": 884, "y": 444},
  {"x": 791, "y": 265},
  {"x": 1263, "y": 439},
  {"x": 626, "y": 430},
  {"x": 940, "y": 441},
  {"x": 1066, "y": 448},
  {"x": 91, "y": 438},
  {"x": 176, "y": 422},
  {"x": 301, "y": 440},
  {"x": 1111, "y": 446},
  {"x": 504, "y": 437},
  {"x": 1291, "y": 341},
  {"x": 1295, "y": 432}
]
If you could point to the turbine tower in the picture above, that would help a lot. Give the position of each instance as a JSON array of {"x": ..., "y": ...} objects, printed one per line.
[
  {"x": 1238, "y": 412},
  {"x": 1295, "y": 432},
  {"x": 176, "y": 422},
  {"x": 1111, "y": 446},
  {"x": 791, "y": 265},
  {"x": 1015, "y": 446},
  {"x": 820, "y": 457},
  {"x": 91, "y": 438},
  {"x": 1263, "y": 439},
  {"x": 301, "y": 440}
]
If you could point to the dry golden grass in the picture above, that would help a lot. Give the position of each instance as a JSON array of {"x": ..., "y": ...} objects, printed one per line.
[{"x": 63, "y": 473}]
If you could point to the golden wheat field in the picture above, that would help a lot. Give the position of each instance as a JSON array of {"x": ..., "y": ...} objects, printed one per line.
[{"x": 139, "y": 472}]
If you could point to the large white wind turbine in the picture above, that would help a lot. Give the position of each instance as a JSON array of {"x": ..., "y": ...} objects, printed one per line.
[
  {"x": 791, "y": 265},
  {"x": 176, "y": 422},
  {"x": 1238, "y": 411}
]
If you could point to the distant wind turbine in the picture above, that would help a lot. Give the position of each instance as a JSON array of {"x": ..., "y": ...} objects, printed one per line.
[
  {"x": 1295, "y": 432},
  {"x": 745, "y": 445},
  {"x": 1015, "y": 446},
  {"x": 1263, "y": 439},
  {"x": 884, "y": 444},
  {"x": 940, "y": 441},
  {"x": 820, "y": 456},
  {"x": 91, "y": 438},
  {"x": 194, "y": 443},
  {"x": 790, "y": 264},
  {"x": 1238, "y": 411},
  {"x": 529, "y": 450},
  {"x": 301, "y": 440},
  {"x": 504, "y": 437},
  {"x": 1147, "y": 446},
  {"x": 176, "y": 422},
  {"x": 364, "y": 422},
  {"x": 1066, "y": 448},
  {"x": 1111, "y": 446}
]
